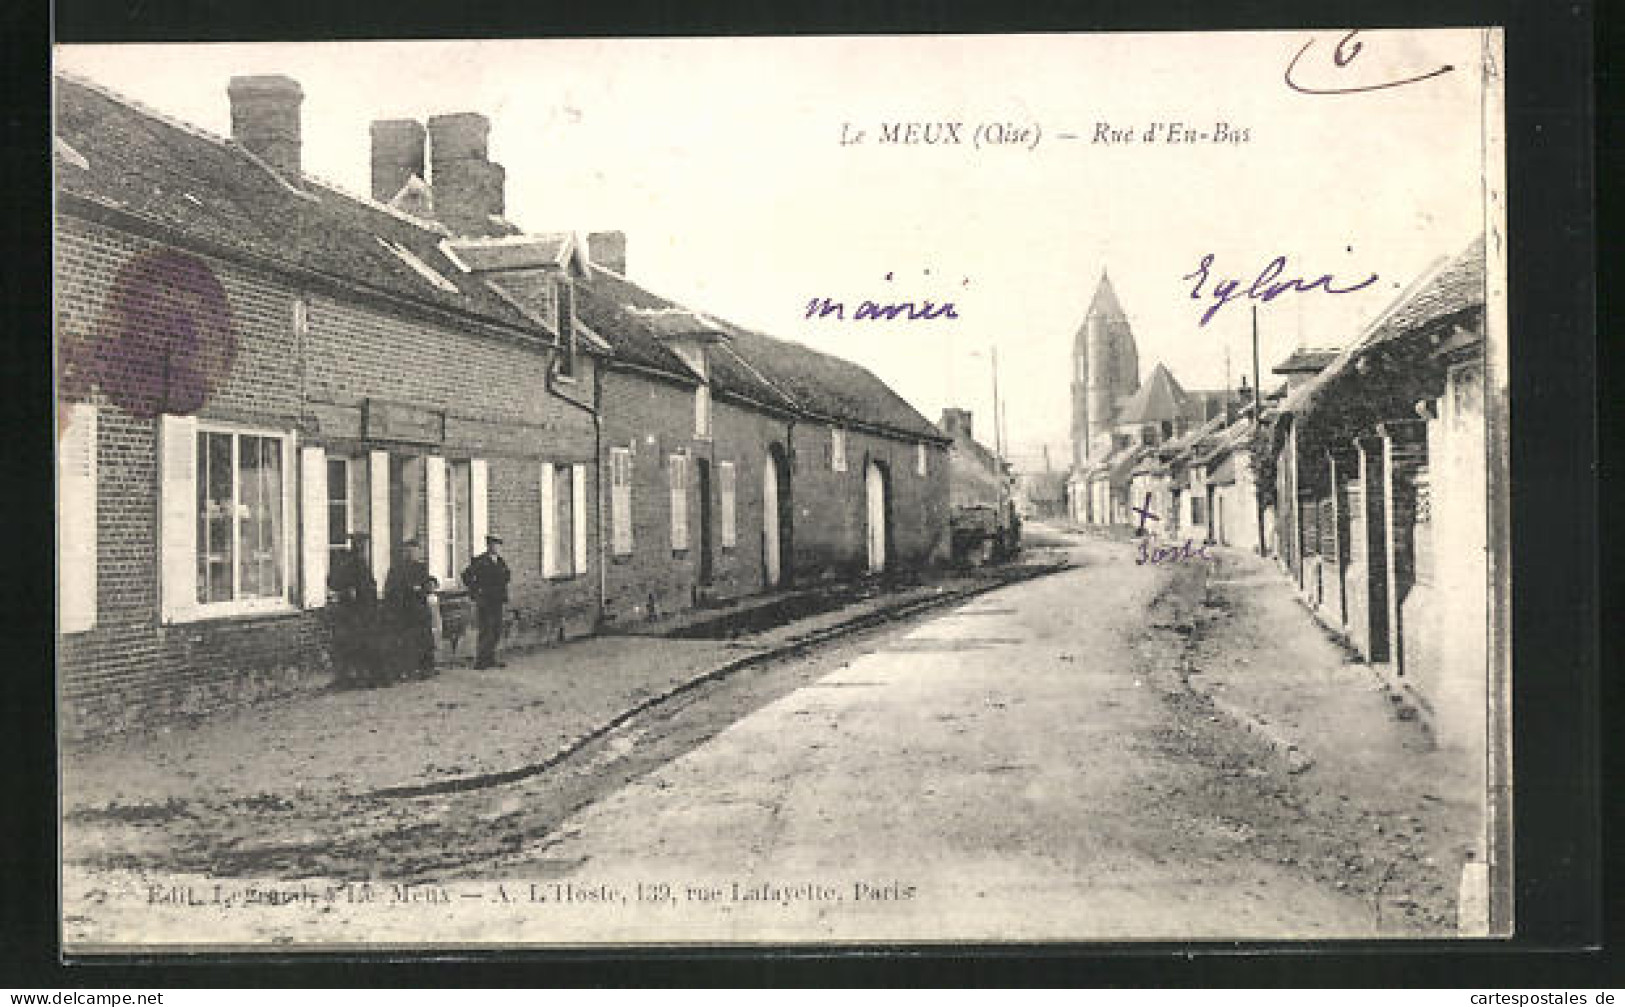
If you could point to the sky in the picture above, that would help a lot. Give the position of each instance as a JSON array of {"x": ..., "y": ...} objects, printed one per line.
[{"x": 722, "y": 161}]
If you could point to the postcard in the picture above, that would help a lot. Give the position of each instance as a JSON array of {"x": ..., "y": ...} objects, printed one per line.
[{"x": 816, "y": 491}]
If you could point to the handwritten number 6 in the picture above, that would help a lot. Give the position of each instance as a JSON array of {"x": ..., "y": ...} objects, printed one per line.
[
  {"x": 1338, "y": 56},
  {"x": 1343, "y": 55}
]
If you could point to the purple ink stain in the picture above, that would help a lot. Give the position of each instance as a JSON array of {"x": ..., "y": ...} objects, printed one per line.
[{"x": 166, "y": 341}]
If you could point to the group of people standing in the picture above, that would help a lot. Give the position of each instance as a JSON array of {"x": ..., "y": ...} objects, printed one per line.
[{"x": 379, "y": 643}]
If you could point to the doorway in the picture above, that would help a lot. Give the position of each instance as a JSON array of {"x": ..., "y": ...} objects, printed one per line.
[
  {"x": 777, "y": 518},
  {"x": 703, "y": 471},
  {"x": 878, "y": 510}
]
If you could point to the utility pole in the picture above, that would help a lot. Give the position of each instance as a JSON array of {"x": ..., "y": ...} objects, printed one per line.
[
  {"x": 998, "y": 438},
  {"x": 1257, "y": 420},
  {"x": 1255, "y": 365}
]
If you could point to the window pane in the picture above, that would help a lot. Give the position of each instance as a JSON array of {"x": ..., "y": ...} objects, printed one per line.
[
  {"x": 259, "y": 517},
  {"x": 462, "y": 513},
  {"x": 564, "y": 539},
  {"x": 214, "y": 540},
  {"x": 338, "y": 502}
]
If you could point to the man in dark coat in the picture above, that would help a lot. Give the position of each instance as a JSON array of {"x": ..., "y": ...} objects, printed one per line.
[
  {"x": 411, "y": 624},
  {"x": 354, "y": 597},
  {"x": 487, "y": 581}
]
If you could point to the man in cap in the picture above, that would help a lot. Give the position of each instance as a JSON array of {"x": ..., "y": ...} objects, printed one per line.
[
  {"x": 487, "y": 581},
  {"x": 406, "y": 596},
  {"x": 354, "y": 597}
]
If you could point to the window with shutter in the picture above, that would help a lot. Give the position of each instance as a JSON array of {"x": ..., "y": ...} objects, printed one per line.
[
  {"x": 76, "y": 521},
  {"x": 702, "y": 412},
  {"x": 620, "y": 495},
  {"x": 319, "y": 478},
  {"x": 728, "y": 480},
  {"x": 228, "y": 507},
  {"x": 678, "y": 475},
  {"x": 578, "y": 513},
  {"x": 564, "y": 536},
  {"x": 567, "y": 329},
  {"x": 340, "y": 512},
  {"x": 438, "y": 522},
  {"x": 479, "y": 502},
  {"x": 549, "y": 522}
]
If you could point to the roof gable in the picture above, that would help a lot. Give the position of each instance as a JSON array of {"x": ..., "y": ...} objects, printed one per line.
[{"x": 1159, "y": 399}]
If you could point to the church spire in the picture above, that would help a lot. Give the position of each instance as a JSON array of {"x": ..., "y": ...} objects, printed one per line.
[{"x": 1105, "y": 303}]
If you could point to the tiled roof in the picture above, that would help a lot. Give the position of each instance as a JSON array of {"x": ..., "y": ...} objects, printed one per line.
[
  {"x": 521, "y": 251},
  {"x": 675, "y": 322},
  {"x": 210, "y": 188},
  {"x": 775, "y": 372},
  {"x": 1160, "y": 398},
  {"x": 1456, "y": 287},
  {"x": 1304, "y": 360},
  {"x": 607, "y": 302},
  {"x": 1224, "y": 442},
  {"x": 829, "y": 386},
  {"x": 976, "y": 451}
]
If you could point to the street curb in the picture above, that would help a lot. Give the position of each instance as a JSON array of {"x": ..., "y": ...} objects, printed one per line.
[
  {"x": 481, "y": 781},
  {"x": 1297, "y": 760},
  {"x": 1289, "y": 751}
]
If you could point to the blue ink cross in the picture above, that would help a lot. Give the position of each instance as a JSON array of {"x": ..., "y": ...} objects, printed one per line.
[{"x": 1145, "y": 512}]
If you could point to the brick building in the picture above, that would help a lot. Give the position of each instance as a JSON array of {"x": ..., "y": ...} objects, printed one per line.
[
  {"x": 254, "y": 363},
  {"x": 738, "y": 462}
]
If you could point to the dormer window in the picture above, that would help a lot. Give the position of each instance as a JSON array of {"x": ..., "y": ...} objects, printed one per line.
[
  {"x": 565, "y": 323},
  {"x": 702, "y": 412}
]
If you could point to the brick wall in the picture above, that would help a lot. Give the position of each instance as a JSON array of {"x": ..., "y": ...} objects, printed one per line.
[
  {"x": 831, "y": 507},
  {"x": 656, "y": 419}
]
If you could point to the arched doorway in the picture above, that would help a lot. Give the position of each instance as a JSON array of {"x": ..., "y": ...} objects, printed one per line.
[
  {"x": 877, "y": 508},
  {"x": 776, "y": 518}
]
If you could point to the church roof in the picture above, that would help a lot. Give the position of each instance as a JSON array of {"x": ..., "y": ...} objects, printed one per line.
[
  {"x": 1105, "y": 303},
  {"x": 1160, "y": 398}
]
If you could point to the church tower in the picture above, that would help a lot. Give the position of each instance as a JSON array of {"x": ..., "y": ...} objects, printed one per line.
[{"x": 1106, "y": 369}]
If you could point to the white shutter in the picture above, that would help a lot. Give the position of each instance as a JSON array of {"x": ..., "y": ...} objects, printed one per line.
[
  {"x": 378, "y": 521},
  {"x": 178, "y": 516},
  {"x": 679, "y": 502},
  {"x": 76, "y": 521},
  {"x": 479, "y": 504},
  {"x": 550, "y": 524},
  {"x": 313, "y": 529},
  {"x": 729, "y": 504},
  {"x": 290, "y": 515},
  {"x": 434, "y": 478},
  {"x": 578, "y": 518}
]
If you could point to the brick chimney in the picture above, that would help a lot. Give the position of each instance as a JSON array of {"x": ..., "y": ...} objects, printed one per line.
[
  {"x": 956, "y": 423},
  {"x": 608, "y": 249},
  {"x": 467, "y": 186},
  {"x": 265, "y": 120},
  {"x": 397, "y": 155}
]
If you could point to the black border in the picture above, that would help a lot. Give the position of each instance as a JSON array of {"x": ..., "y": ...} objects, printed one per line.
[{"x": 1555, "y": 629}]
